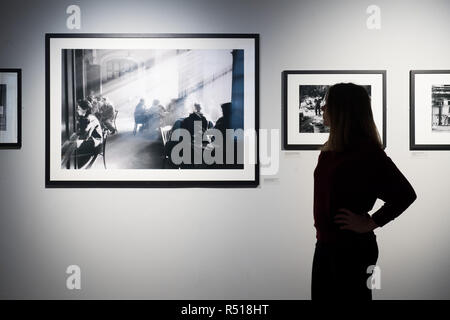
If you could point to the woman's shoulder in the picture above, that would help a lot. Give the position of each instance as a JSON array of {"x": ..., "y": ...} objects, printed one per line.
[
  {"x": 375, "y": 157},
  {"x": 368, "y": 146},
  {"x": 363, "y": 147}
]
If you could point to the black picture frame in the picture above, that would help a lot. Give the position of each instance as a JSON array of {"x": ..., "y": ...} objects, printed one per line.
[
  {"x": 49, "y": 183},
  {"x": 285, "y": 120},
  {"x": 18, "y": 109},
  {"x": 413, "y": 145}
]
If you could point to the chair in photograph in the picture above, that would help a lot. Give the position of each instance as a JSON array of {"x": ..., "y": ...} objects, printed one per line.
[
  {"x": 165, "y": 135},
  {"x": 115, "y": 117}
]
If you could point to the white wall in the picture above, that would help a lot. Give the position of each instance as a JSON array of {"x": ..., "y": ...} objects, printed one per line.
[{"x": 159, "y": 243}]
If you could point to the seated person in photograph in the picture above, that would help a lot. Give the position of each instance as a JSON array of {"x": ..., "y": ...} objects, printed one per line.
[
  {"x": 161, "y": 113},
  {"x": 90, "y": 98},
  {"x": 87, "y": 138},
  {"x": 189, "y": 123},
  {"x": 168, "y": 115},
  {"x": 222, "y": 124},
  {"x": 140, "y": 115},
  {"x": 107, "y": 115},
  {"x": 96, "y": 107},
  {"x": 196, "y": 115},
  {"x": 177, "y": 125},
  {"x": 155, "y": 115}
]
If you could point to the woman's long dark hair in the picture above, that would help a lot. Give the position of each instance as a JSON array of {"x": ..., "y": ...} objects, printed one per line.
[{"x": 350, "y": 118}]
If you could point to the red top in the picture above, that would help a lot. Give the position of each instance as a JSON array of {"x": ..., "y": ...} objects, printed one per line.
[{"x": 354, "y": 180}]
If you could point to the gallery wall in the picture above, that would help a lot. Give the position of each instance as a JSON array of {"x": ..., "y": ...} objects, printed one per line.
[{"x": 234, "y": 243}]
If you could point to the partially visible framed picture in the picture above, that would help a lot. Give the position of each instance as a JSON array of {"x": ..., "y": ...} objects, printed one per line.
[
  {"x": 152, "y": 110},
  {"x": 304, "y": 95},
  {"x": 429, "y": 126},
  {"x": 10, "y": 109}
]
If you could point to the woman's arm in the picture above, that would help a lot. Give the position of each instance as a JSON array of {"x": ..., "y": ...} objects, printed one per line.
[
  {"x": 388, "y": 184},
  {"x": 393, "y": 188}
]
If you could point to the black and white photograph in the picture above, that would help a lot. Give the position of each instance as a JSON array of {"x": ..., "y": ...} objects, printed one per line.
[
  {"x": 440, "y": 101},
  {"x": 304, "y": 95},
  {"x": 151, "y": 111},
  {"x": 430, "y": 110},
  {"x": 10, "y": 109},
  {"x": 312, "y": 99},
  {"x": 3, "y": 122}
]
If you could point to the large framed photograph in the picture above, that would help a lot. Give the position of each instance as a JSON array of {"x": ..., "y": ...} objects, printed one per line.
[
  {"x": 152, "y": 110},
  {"x": 429, "y": 110},
  {"x": 10, "y": 109},
  {"x": 304, "y": 95}
]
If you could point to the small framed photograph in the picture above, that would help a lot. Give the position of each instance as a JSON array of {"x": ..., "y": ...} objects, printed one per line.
[
  {"x": 429, "y": 126},
  {"x": 152, "y": 110},
  {"x": 304, "y": 95},
  {"x": 10, "y": 109}
]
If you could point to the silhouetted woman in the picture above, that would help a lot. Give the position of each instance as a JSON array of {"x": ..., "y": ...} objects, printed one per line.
[{"x": 352, "y": 172}]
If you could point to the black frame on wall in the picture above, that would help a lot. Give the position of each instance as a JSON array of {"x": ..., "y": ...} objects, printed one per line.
[
  {"x": 154, "y": 183},
  {"x": 18, "y": 144},
  {"x": 284, "y": 81},
  {"x": 412, "y": 112}
]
